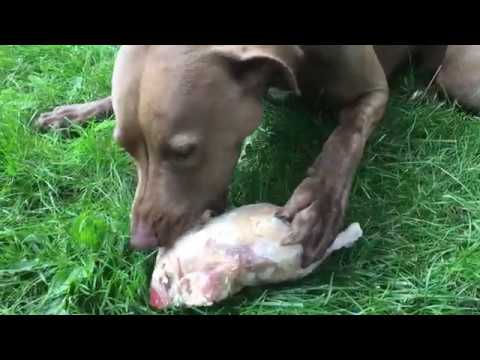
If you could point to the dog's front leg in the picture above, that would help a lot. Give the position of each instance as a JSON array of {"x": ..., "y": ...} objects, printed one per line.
[
  {"x": 317, "y": 207},
  {"x": 63, "y": 116}
]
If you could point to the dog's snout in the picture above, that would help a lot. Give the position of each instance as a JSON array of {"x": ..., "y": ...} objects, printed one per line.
[
  {"x": 162, "y": 232},
  {"x": 150, "y": 232},
  {"x": 143, "y": 236}
]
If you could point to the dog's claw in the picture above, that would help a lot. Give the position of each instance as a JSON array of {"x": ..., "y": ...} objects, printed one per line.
[
  {"x": 60, "y": 117},
  {"x": 290, "y": 240},
  {"x": 280, "y": 216}
]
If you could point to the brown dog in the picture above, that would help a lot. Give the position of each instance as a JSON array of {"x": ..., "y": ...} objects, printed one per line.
[{"x": 183, "y": 112}]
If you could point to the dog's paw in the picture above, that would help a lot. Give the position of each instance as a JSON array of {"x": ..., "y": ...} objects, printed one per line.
[
  {"x": 316, "y": 211},
  {"x": 62, "y": 117}
]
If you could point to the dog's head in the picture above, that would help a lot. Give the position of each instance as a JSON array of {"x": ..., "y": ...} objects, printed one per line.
[{"x": 183, "y": 113}]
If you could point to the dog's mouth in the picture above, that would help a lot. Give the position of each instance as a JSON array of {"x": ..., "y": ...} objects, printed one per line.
[
  {"x": 215, "y": 209},
  {"x": 210, "y": 214}
]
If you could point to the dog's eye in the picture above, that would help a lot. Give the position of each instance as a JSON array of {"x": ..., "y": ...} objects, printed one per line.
[
  {"x": 180, "y": 153},
  {"x": 184, "y": 152},
  {"x": 181, "y": 148}
]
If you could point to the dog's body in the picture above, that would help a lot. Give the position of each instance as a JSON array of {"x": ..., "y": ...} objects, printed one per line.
[{"x": 183, "y": 112}]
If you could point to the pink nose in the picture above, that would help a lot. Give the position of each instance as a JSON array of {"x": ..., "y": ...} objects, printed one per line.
[
  {"x": 158, "y": 299},
  {"x": 143, "y": 237}
]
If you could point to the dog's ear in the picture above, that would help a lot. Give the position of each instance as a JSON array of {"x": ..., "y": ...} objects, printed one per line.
[{"x": 277, "y": 65}]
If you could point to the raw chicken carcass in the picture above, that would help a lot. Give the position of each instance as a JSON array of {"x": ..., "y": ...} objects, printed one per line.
[{"x": 245, "y": 247}]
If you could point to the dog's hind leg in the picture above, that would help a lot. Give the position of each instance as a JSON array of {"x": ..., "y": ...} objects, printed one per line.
[
  {"x": 459, "y": 77},
  {"x": 63, "y": 116}
]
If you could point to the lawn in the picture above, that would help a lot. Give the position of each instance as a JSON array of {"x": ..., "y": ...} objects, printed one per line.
[{"x": 65, "y": 202}]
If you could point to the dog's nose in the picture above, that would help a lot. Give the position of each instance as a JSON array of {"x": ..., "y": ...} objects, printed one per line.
[{"x": 143, "y": 237}]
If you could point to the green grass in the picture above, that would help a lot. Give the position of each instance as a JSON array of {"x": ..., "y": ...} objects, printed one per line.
[{"x": 65, "y": 202}]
